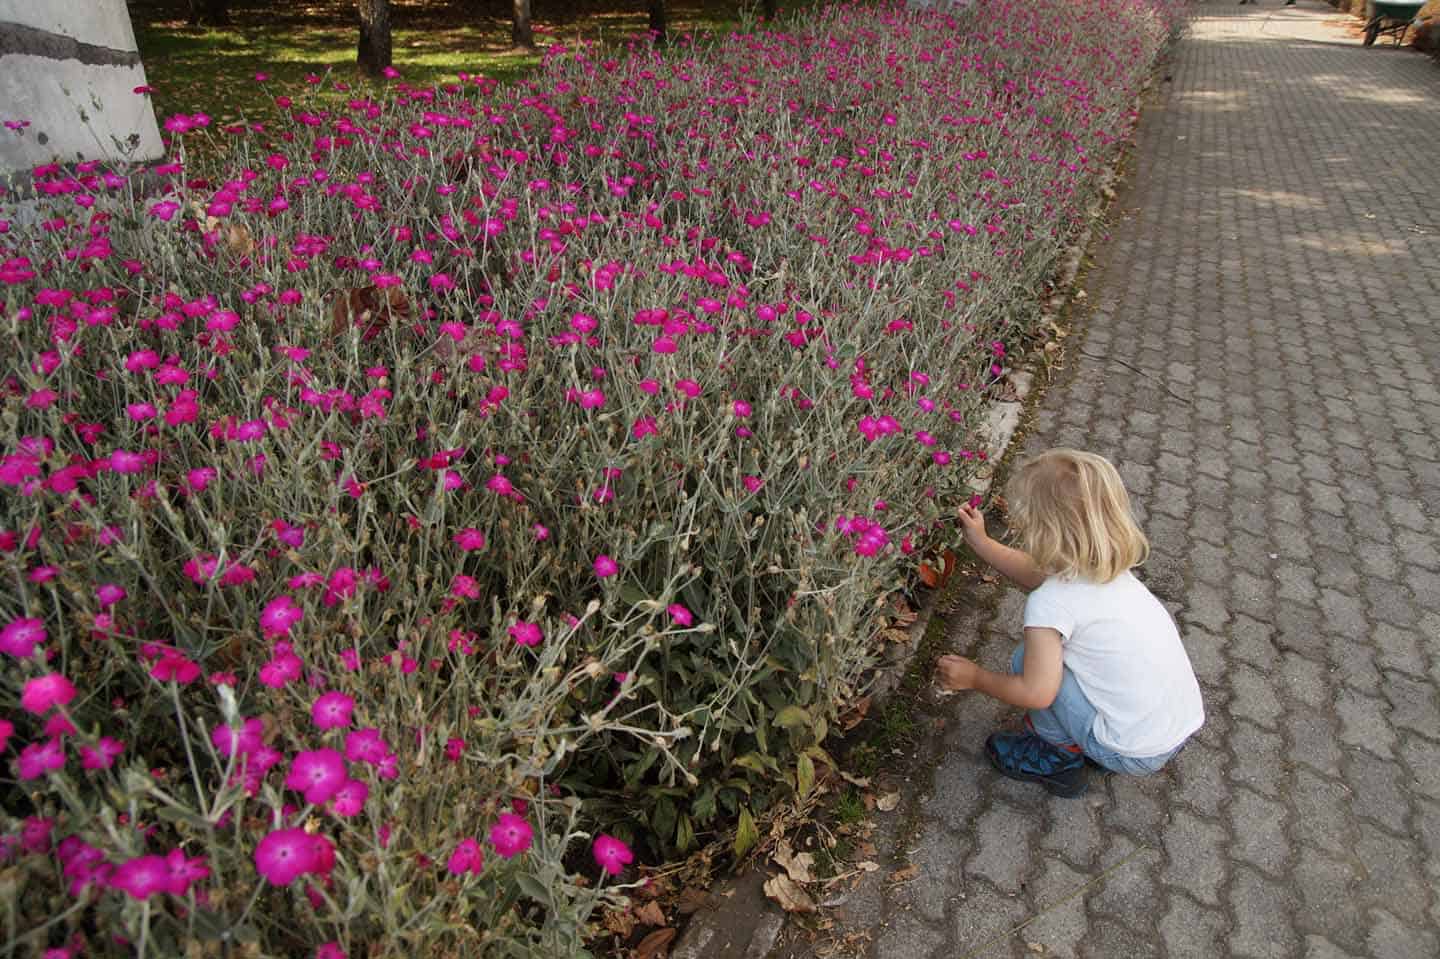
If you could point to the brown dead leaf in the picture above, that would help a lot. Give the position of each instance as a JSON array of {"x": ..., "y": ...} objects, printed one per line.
[
  {"x": 904, "y": 615},
  {"x": 895, "y": 636},
  {"x": 863, "y": 782},
  {"x": 655, "y": 945},
  {"x": 620, "y": 922},
  {"x": 651, "y": 914},
  {"x": 788, "y": 894},
  {"x": 867, "y": 866},
  {"x": 855, "y": 715},
  {"x": 905, "y": 874},
  {"x": 796, "y": 865},
  {"x": 888, "y": 802},
  {"x": 692, "y": 900}
]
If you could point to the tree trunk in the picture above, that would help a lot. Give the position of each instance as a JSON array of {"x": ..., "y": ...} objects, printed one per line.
[
  {"x": 374, "y": 53},
  {"x": 767, "y": 10},
  {"x": 213, "y": 13},
  {"x": 657, "y": 21},
  {"x": 522, "y": 34}
]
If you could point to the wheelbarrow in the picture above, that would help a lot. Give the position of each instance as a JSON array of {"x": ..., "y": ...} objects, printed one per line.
[{"x": 1391, "y": 18}]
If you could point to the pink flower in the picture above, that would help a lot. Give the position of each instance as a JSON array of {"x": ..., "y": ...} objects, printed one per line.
[
  {"x": 741, "y": 408},
  {"x": 605, "y": 566},
  {"x": 680, "y": 614},
  {"x": 511, "y": 835},
  {"x": 542, "y": 532},
  {"x": 526, "y": 634},
  {"x": 175, "y": 667},
  {"x": 141, "y": 877},
  {"x": 470, "y": 538},
  {"x": 102, "y": 755},
  {"x": 454, "y": 748},
  {"x": 287, "y": 854},
  {"x": 612, "y": 854},
  {"x": 20, "y": 637},
  {"x": 37, "y": 759},
  {"x": 332, "y": 710},
  {"x": 7, "y": 729},
  {"x": 467, "y": 857},
  {"x": 317, "y": 773},
  {"x": 350, "y": 798},
  {"x": 330, "y": 950},
  {"x": 44, "y": 692},
  {"x": 279, "y": 615},
  {"x": 366, "y": 745},
  {"x": 689, "y": 387}
]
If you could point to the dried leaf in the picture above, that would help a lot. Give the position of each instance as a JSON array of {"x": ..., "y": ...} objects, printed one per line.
[
  {"x": 655, "y": 945},
  {"x": 867, "y": 866},
  {"x": 904, "y": 615},
  {"x": 796, "y": 865},
  {"x": 790, "y": 896},
  {"x": 888, "y": 802},
  {"x": 855, "y": 714},
  {"x": 905, "y": 874},
  {"x": 651, "y": 914},
  {"x": 862, "y": 782},
  {"x": 895, "y": 636},
  {"x": 620, "y": 922},
  {"x": 692, "y": 900}
]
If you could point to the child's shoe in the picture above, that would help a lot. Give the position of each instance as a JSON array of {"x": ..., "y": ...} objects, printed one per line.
[{"x": 1029, "y": 758}]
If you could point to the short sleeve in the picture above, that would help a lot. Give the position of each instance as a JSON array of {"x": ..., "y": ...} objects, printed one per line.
[{"x": 1043, "y": 610}]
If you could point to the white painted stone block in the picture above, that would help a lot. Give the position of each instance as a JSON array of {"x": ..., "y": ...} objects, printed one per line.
[{"x": 70, "y": 68}]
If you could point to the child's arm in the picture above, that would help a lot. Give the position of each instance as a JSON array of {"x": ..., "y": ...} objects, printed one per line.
[
  {"x": 1013, "y": 564},
  {"x": 1034, "y": 688}
]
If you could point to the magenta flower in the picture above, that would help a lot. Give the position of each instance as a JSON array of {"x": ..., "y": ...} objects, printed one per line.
[
  {"x": 526, "y": 634},
  {"x": 287, "y": 854},
  {"x": 467, "y": 857},
  {"x": 282, "y": 668},
  {"x": 44, "y": 692},
  {"x": 366, "y": 745},
  {"x": 605, "y": 566},
  {"x": 612, "y": 854},
  {"x": 37, "y": 759},
  {"x": 7, "y": 729},
  {"x": 541, "y": 532},
  {"x": 680, "y": 614},
  {"x": 175, "y": 667},
  {"x": 20, "y": 637},
  {"x": 511, "y": 835},
  {"x": 102, "y": 755},
  {"x": 350, "y": 798},
  {"x": 279, "y": 615},
  {"x": 184, "y": 871},
  {"x": 317, "y": 773},
  {"x": 741, "y": 408},
  {"x": 142, "y": 877},
  {"x": 470, "y": 538},
  {"x": 332, "y": 710},
  {"x": 330, "y": 950}
]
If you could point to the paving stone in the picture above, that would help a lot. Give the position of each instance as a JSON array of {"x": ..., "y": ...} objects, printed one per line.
[
  {"x": 1363, "y": 723},
  {"x": 982, "y": 916},
  {"x": 1391, "y": 877},
  {"x": 1257, "y": 825},
  {"x": 1002, "y": 847},
  {"x": 1260, "y": 759},
  {"x": 1195, "y": 851},
  {"x": 1326, "y": 888},
  {"x": 1263, "y": 911},
  {"x": 1391, "y": 939},
  {"x": 1109, "y": 938},
  {"x": 1190, "y": 931},
  {"x": 1062, "y": 924}
]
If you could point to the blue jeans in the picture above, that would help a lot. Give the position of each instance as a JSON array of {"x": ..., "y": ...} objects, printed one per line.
[{"x": 1070, "y": 721}]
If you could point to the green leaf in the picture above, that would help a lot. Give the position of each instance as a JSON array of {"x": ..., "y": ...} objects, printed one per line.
[
  {"x": 533, "y": 888},
  {"x": 804, "y": 775},
  {"x": 746, "y": 834},
  {"x": 793, "y": 717},
  {"x": 684, "y": 834}
]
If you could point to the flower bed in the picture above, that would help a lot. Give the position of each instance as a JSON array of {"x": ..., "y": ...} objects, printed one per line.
[{"x": 417, "y": 517}]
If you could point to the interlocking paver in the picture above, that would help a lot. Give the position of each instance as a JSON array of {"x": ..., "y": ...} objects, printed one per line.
[{"x": 1291, "y": 492}]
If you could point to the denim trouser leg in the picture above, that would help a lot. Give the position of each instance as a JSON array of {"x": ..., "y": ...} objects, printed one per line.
[{"x": 1070, "y": 721}]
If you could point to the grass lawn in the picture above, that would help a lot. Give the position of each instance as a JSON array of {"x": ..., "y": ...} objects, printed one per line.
[{"x": 212, "y": 69}]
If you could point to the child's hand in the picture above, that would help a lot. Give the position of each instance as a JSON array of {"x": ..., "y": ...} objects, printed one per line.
[
  {"x": 972, "y": 522},
  {"x": 956, "y": 672}
]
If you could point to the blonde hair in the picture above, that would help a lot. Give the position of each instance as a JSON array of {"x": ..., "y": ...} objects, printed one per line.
[{"x": 1072, "y": 515}]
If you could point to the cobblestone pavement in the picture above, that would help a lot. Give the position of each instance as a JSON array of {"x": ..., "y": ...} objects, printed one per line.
[{"x": 1275, "y": 274}]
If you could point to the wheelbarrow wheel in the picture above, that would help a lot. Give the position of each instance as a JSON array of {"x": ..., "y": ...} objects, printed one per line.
[{"x": 1372, "y": 30}]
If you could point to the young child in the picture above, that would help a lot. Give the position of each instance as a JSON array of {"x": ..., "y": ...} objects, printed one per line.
[{"x": 1102, "y": 670}]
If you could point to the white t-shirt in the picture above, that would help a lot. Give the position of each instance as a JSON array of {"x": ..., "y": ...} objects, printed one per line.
[{"x": 1123, "y": 648}]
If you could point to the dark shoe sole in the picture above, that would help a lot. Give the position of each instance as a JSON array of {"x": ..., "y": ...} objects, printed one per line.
[{"x": 1055, "y": 787}]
